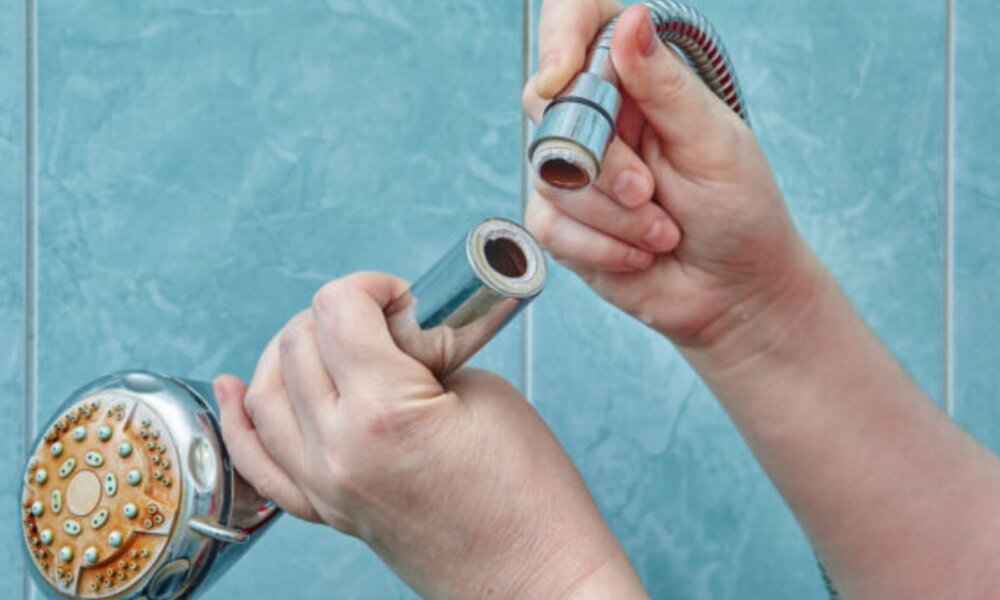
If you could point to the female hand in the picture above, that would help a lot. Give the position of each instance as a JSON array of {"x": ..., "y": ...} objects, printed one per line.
[
  {"x": 685, "y": 228},
  {"x": 458, "y": 485}
]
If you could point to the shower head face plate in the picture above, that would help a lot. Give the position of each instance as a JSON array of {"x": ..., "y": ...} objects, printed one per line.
[{"x": 100, "y": 497}]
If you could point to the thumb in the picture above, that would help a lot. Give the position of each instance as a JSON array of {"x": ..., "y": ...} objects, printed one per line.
[
  {"x": 565, "y": 32},
  {"x": 354, "y": 339},
  {"x": 679, "y": 107}
]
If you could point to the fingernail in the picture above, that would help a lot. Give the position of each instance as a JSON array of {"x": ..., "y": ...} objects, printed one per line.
[
  {"x": 626, "y": 189},
  {"x": 658, "y": 237},
  {"x": 545, "y": 68},
  {"x": 646, "y": 38},
  {"x": 639, "y": 258}
]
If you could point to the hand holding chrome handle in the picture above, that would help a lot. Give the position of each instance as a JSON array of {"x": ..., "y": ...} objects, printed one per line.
[{"x": 129, "y": 491}]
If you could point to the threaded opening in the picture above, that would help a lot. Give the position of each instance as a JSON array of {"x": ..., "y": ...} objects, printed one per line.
[
  {"x": 506, "y": 257},
  {"x": 564, "y": 174}
]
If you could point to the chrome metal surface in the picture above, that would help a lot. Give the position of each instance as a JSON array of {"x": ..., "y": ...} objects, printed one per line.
[
  {"x": 468, "y": 295},
  {"x": 218, "y": 532},
  {"x": 570, "y": 142},
  {"x": 189, "y": 421}
]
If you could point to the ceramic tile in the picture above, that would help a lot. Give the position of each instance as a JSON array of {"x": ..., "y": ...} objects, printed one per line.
[
  {"x": 977, "y": 220},
  {"x": 12, "y": 405}
]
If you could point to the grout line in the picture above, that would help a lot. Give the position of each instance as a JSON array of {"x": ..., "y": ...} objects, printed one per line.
[
  {"x": 949, "y": 212},
  {"x": 30, "y": 375},
  {"x": 527, "y": 330}
]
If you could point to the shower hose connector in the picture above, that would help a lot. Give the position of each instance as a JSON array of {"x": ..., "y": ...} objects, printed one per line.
[{"x": 578, "y": 125}]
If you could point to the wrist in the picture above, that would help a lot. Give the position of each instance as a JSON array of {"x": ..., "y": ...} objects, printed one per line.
[
  {"x": 762, "y": 326},
  {"x": 573, "y": 556},
  {"x": 588, "y": 569}
]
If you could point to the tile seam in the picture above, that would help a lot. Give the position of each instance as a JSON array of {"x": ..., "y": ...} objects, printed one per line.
[
  {"x": 30, "y": 255},
  {"x": 527, "y": 383}
]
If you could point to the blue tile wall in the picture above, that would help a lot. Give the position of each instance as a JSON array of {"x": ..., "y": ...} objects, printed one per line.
[
  {"x": 12, "y": 59},
  {"x": 977, "y": 221},
  {"x": 850, "y": 109},
  {"x": 205, "y": 167}
]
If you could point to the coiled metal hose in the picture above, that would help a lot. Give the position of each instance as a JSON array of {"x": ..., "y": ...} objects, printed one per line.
[{"x": 579, "y": 125}]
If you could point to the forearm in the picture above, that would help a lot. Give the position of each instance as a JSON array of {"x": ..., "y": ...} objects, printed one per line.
[{"x": 898, "y": 501}]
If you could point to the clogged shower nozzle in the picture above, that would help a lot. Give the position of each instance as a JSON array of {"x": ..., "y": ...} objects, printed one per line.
[{"x": 579, "y": 124}]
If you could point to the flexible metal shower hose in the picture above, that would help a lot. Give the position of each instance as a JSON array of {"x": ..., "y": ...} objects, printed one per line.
[{"x": 689, "y": 32}]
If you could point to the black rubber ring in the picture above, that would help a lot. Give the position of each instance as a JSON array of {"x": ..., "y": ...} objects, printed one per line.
[{"x": 585, "y": 102}]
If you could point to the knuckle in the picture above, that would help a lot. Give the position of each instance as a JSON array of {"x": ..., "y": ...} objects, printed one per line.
[
  {"x": 638, "y": 222},
  {"x": 298, "y": 331},
  {"x": 289, "y": 340},
  {"x": 266, "y": 485},
  {"x": 328, "y": 297},
  {"x": 252, "y": 404},
  {"x": 334, "y": 304}
]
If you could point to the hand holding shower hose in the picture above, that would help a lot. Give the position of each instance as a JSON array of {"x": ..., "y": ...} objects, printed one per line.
[
  {"x": 578, "y": 125},
  {"x": 737, "y": 236}
]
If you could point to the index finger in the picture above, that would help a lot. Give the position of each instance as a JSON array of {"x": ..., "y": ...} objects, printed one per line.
[{"x": 566, "y": 30}]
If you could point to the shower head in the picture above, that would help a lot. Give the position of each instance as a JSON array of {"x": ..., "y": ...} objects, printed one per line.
[{"x": 129, "y": 491}]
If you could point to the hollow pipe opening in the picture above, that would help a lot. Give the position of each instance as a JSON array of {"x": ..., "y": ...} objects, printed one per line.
[
  {"x": 506, "y": 257},
  {"x": 563, "y": 174},
  {"x": 564, "y": 164},
  {"x": 578, "y": 126}
]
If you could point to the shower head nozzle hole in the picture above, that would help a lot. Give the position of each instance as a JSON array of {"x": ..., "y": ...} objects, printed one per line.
[
  {"x": 564, "y": 174},
  {"x": 506, "y": 257}
]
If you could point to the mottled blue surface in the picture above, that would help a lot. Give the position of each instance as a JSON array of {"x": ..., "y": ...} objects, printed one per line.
[
  {"x": 11, "y": 291},
  {"x": 977, "y": 220},
  {"x": 205, "y": 166},
  {"x": 850, "y": 109}
]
